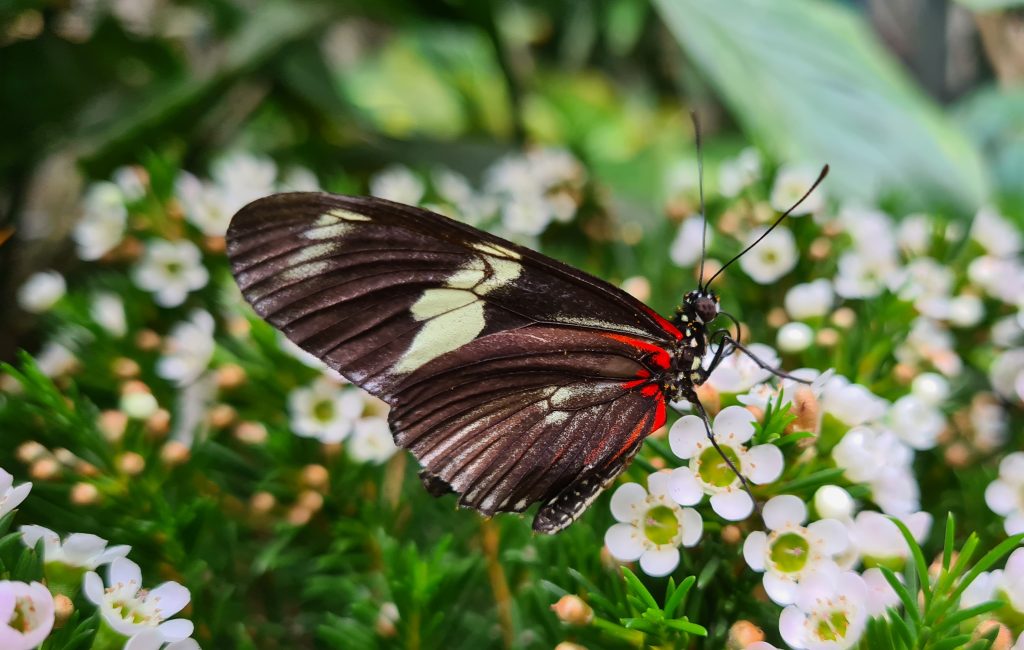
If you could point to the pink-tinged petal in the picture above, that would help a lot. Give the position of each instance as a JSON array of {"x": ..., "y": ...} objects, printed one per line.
[
  {"x": 734, "y": 506},
  {"x": 150, "y": 639},
  {"x": 184, "y": 644},
  {"x": 1000, "y": 497},
  {"x": 779, "y": 589},
  {"x": 919, "y": 524},
  {"x": 43, "y": 616},
  {"x": 692, "y": 525},
  {"x": 16, "y": 496},
  {"x": 1014, "y": 524},
  {"x": 784, "y": 511},
  {"x": 170, "y": 598},
  {"x": 658, "y": 483},
  {"x": 754, "y": 549},
  {"x": 125, "y": 572},
  {"x": 763, "y": 464},
  {"x": 6, "y": 480},
  {"x": 734, "y": 421},
  {"x": 628, "y": 502},
  {"x": 659, "y": 562},
  {"x": 177, "y": 629},
  {"x": 111, "y": 554},
  {"x": 80, "y": 548},
  {"x": 10, "y": 638},
  {"x": 7, "y": 601},
  {"x": 981, "y": 589},
  {"x": 792, "y": 627},
  {"x": 1015, "y": 563},
  {"x": 93, "y": 587},
  {"x": 1011, "y": 468},
  {"x": 687, "y": 436},
  {"x": 832, "y": 534},
  {"x": 683, "y": 487},
  {"x": 51, "y": 541},
  {"x": 624, "y": 542},
  {"x": 881, "y": 595}
]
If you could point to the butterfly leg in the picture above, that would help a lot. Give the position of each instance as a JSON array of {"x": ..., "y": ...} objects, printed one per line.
[{"x": 775, "y": 371}]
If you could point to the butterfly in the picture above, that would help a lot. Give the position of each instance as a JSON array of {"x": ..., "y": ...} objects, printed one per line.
[{"x": 513, "y": 378}]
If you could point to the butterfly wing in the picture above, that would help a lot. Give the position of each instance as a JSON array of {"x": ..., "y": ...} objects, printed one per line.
[{"x": 513, "y": 378}]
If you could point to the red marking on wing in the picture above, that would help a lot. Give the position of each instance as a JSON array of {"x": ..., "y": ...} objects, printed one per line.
[
  {"x": 639, "y": 430},
  {"x": 659, "y": 355},
  {"x": 659, "y": 415},
  {"x": 665, "y": 325}
]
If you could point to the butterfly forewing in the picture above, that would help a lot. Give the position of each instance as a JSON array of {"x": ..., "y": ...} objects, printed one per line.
[{"x": 513, "y": 378}]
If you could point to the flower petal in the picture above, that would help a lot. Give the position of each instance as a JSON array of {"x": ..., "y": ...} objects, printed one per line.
[
  {"x": 763, "y": 464},
  {"x": 735, "y": 421},
  {"x": 184, "y": 644},
  {"x": 791, "y": 627},
  {"x": 624, "y": 542},
  {"x": 733, "y": 505},
  {"x": 659, "y": 483},
  {"x": 687, "y": 436},
  {"x": 150, "y": 639},
  {"x": 7, "y": 601},
  {"x": 692, "y": 525},
  {"x": 124, "y": 571},
  {"x": 16, "y": 496},
  {"x": 176, "y": 630},
  {"x": 684, "y": 488},
  {"x": 832, "y": 534},
  {"x": 79, "y": 548},
  {"x": 170, "y": 598},
  {"x": 1014, "y": 524},
  {"x": 780, "y": 589},
  {"x": 754, "y": 547},
  {"x": 92, "y": 584},
  {"x": 1000, "y": 497},
  {"x": 784, "y": 510},
  {"x": 628, "y": 501},
  {"x": 659, "y": 562}
]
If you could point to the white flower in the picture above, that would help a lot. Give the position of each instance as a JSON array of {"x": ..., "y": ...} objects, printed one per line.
[
  {"x": 189, "y": 348},
  {"x": 930, "y": 387},
  {"x": 41, "y": 291},
  {"x": 299, "y": 179},
  {"x": 772, "y": 258},
  {"x": 26, "y": 615},
  {"x": 761, "y": 394},
  {"x": 130, "y": 610},
  {"x": 56, "y": 359},
  {"x": 528, "y": 215},
  {"x": 861, "y": 277},
  {"x": 738, "y": 373},
  {"x": 810, "y": 299},
  {"x": 397, "y": 183},
  {"x": 107, "y": 309},
  {"x": 795, "y": 337},
  {"x": 878, "y": 540},
  {"x": 1019, "y": 645},
  {"x": 206, "y": 206},
  {"x": 243, "y": 178},
  {"x": 965, "y": 310},
  {"x": 1011, "y": 580},
  {"x": 10, "y": 496},
  {"x": 871, "y": 231},
  {"x": 791, "y": 183},
  {"x": 930, "y": 341},
  {"x": 881, "y": 595},
  {"x": 989, "y": 422},
  {"x": 833, "y": 502},
  {"x": 852, "y": 404},
  {"x": 708, "y": 473},
  {"x": 103, "y": 221},
  {"x": 170, "y": 270},
  {"x": 923, "y": 280},
  {"x": 138, "y": 405},
  {"x": 470, "y": 206},
  {"x": 651, "y": 526},
  {"x": 686, "y": 247},
  {"x": 535, "y": 189},
  {"x": 372, "y": 441},
  {"x": 325, "y": 410},
  {"x": 1006, "y": 372},
  {"x": 997, "y": 235},
  {"x": 916, "y": 422},
  {"x": 1004, "y": 496},
  {"x": 131, "y": 180},
  {"x": 880, "y": 459},
  {"x": 829, "y": 613},
  {"x": 81, "y": 550},
  {"x": 736, "y": 174},
  {"x": 792, "y": 552},
  {"x": 914, "y": 233}
]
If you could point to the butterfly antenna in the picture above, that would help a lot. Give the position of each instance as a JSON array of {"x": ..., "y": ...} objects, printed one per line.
[
  {"x": 821, "y": 177},
  {"x": 700, "y": 184}
]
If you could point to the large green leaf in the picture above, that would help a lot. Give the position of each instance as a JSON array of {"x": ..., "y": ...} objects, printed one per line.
[{"x": 809, "y": 83}]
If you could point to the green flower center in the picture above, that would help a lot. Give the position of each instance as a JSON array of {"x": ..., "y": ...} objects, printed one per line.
[
  {"x": 833, "y": 627},
  {"x": 713, "y": 468},
  {"x": 661, "y": 525},
  {"x": 789, "y": 552},
  {"x": 174, "y": 268},
  {"x": 323, "y": 410},
  {"x": 20, "y": 620}
]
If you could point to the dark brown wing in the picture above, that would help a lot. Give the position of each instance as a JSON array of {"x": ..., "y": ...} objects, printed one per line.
[{"x": 513, "y": 378}]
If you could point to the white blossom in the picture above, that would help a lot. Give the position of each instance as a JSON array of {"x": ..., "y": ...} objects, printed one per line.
[
  {"x": 914, "y": 233},
  {"x": 651, "y": 526},
  {"x": 243, "y": 178},
  {"x": 790, "y": 552},
  {"x": 916, "y": 422},
  {"x": 1005, "y": 373},
  {"x": 1005, "y": 495},
  {"x": 833, "y": 502},
  {"x": 41, "y": 291},
  {"x": 687, "y": 245},
  {"x": 929, "y": 341},
  {"x": 131, "y": 610},
  {"x": 862, "y": 277},
  {"x": 773, "y": 257},
  {"x": 878, "y": 541},
  {"x": 371, "y": 441},
  {"x": 27, "y": 613},
  {"x": 325, "y": 410},
  {"x": 107, "y": 309},
  {"x": 881, "y": 460},
  {"x": 10, "y": 496},
  {"x": 930, "y": 387},
  {"x": 791, "y": 183},
  {"x": 851, "y": 404},
  {"x": 132, "y": 181},
  {"x": 810, "y": 299},
  {"x": 738, "y": 373},
  {"x": 103, "y": 221},
  {"x": 794, "y": 337},
  {"x": 397, "y": 183},
  {"x": 996, "y": 234},
  {"x": 708, "y": 473},
  {"x": 206, "y": 206},
  {"x": 80, "y": 550},
  {"x": 829, "y": 613},
  {"x": 189, "y": 348},
  {"x": 170, "y": 270},
  {"x": 56, "y": 359},
  {"x": 738, "y": 173}
]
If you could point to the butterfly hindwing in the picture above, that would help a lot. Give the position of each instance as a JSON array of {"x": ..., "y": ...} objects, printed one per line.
[{"x": 513, "y": 378}]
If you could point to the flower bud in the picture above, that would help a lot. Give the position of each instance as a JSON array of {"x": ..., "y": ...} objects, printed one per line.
[
  {"x": 84, "y": 494},
  {"x": 251, "y": 433},
  {"x": 44, "y": 469},
  {"x": 710, "y": 398},
  {"x": 159, "y": 423},
  {"x": 125, "y": 368},
  {"x": 175, "y": 453},
  {"x": 732, "y": 534},
  {"x": 638, "y": 286},
  {"x": 230, "y": 376},
  {"x": 315, "y": 477},
  {"x": 262, "y": 502},
  {"x": 30, "y": 451},
  {"x": 131, "y": 463},
  {"x": 573, "y": 610},
  {"x": 222, "y": 416},
  {"x": 833, "y": 502},
  {"x": 112, "y": 424},
  {"x": 63, "y": 609},
  {"x": 386, "y": 619},
  {"x": 742, "y": 634},
  {"x": 148, "y": 340},
  {"x": 806, "y": 409}
]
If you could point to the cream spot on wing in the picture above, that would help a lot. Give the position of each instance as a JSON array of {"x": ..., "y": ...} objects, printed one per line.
[
  {"x": 444, "y": 333},
  {"x": 564, "y": 395},
  {"x": 304, "y": 271},
  {"x": 468, "y": 276},
  {"x": 495, "y": 249},
  {"x": 347, "y": 215},
  {"x": 311, "y": 252},
  {"x": 435, "y": 302},
  {"x": 329, "y": 230},
  {"x": 600, "y": 324},
  {"x": 503, "y": 272}
]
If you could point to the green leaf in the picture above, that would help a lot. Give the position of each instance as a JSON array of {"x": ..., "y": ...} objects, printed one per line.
[
  {"x": 919, "y": 562},
  {"x": 638, "y": 589},
  {"x": 904, "y": 594},
  {"x": 811, "y": 85}
]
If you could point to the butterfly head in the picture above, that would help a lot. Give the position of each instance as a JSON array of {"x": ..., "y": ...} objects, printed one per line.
[{"x": 704, "y": 303}]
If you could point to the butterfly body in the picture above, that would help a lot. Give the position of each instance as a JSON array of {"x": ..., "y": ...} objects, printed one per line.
[{"x": 513, "y": 378}]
